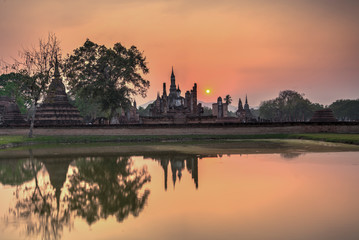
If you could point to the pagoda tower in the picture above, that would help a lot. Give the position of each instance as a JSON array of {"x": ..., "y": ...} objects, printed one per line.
[
  {"x": 56, "y": 109},
  {"x": 173, "y": 83}
]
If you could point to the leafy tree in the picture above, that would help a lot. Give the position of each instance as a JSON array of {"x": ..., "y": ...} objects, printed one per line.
[
  {"x": 346, "y": 110},
  {"x": 89, "y": 108},
  {"x": 207, "y": 111},
  {"x": 255, "y": 113},
  {"x": 231, "y": 114},
  {"x": 228, "y": 99},
  {"x": 10, "y": 85},
  {"x": 288, "y": 106},
  {"x": 109, "y": 76},
  {"x": 144, "y": 111}
]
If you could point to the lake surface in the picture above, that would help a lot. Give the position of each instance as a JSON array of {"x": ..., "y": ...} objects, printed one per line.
[{"x": 170, "y": 194}]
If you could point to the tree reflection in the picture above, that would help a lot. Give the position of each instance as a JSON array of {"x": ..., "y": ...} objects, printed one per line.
[
  {"x": 94, "y": 188},
  {"x": 101, "y": 187},
  {"x": 35, "y": 202},
  {"x": 17, "y": 171}
]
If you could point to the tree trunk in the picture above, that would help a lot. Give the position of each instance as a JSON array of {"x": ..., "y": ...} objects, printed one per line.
[
  {"x": 32, "y": 121},
  {"x": 112, "y": 113}
]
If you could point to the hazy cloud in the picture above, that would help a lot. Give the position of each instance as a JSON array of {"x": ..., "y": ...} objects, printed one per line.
[{"x": 256, "y": 46}]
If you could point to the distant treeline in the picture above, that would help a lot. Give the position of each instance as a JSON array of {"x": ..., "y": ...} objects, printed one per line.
[
  {"x": 290, "y": 106},
  {"x": 346, "y": 110}
]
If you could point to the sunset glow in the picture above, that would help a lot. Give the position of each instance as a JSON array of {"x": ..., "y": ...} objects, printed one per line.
[{"x": 238, "y": 47}]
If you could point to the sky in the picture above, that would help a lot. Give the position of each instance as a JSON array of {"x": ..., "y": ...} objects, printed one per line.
[{"x": 235, "y": 47}]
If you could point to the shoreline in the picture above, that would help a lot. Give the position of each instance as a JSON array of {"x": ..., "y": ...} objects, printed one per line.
[
  {"x": 15, "y": 141},
  {"x": 287, "y": 147}
]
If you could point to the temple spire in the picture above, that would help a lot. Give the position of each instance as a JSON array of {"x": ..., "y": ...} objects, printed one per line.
[
  {"x": 240, "y": 105},
  {"x": 164, "y": 90},
  {"x": 246, "y": 106},
  {"x": 173, "y": 83},
  {"x": 56, "y": 72}
]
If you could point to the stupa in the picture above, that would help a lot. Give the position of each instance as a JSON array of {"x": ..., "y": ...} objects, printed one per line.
[
  {"x": 9, "y": 112},
  {"x": 56, "y": 109},
  {"x": 324, "y": 115}
]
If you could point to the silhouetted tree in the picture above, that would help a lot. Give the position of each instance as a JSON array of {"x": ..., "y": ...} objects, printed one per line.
[
  {"x": 346, "y": 109},
  {"x": 110, "y": 76},
  {"x": 228, "y": 99},
  {"x": 288, "y": 106},
  {"x": 144, "y": 111},
  {"x": 33, "y": 71},
  {"x": 207, "y": 111},
  {"x": 90, "y": 109}
]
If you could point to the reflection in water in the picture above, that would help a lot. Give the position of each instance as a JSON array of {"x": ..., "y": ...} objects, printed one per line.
[
  {"x": 101, "y": 187},
  {"x": 51, "y": 192},
  {"x": 239, "y": 194},
  {"x": 38, "y": 201},
  {"x": 290, "y": 155},
  {"x": 177, "y": 162}
]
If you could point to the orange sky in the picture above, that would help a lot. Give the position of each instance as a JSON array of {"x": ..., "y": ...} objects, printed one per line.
[{"x": 229, "y": 46}]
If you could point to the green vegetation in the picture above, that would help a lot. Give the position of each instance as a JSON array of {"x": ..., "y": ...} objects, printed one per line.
[
  {"x": 346, "y": 110},
  {"x": 106, "y": 77},
  {"x": 144, "y": 111},
  {"x": 289, "y": 106},
  {"x": 10, "y": 87},
  {"x": 31, "y": 75},
  {"x": 13, "y": 141}
]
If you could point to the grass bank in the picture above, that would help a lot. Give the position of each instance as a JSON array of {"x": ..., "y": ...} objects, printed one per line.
[{"x": 16, "y": 141}]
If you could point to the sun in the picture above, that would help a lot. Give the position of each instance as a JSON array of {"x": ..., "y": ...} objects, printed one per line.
[{"x": 208, "y": 91}]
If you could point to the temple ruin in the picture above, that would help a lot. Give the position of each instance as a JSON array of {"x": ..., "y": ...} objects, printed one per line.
[
  {"x": 9, "y": 112},
  {"x": 220, "y": 109},
  {"x": 244, "y": 113},
  {"x": 174, "y": 105},
  {"x": 324, "y": 115},
  {"x": 56, "y": 109}
]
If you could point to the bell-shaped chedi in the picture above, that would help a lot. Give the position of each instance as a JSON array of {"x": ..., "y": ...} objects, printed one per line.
[
  {"x": 56, "y": 109},
  {"x": 9, "y": 112}
]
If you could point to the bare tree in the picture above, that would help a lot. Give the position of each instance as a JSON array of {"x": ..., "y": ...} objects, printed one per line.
[{"x": 36, "y": 65}]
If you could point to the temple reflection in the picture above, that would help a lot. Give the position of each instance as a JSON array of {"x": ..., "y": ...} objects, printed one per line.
[
  {"x": 37, "y": 196},
  {"x": 51, "y": 192},
  {"x": 178, "y": 162}
]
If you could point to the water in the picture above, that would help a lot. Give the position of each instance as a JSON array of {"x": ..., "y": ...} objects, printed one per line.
[{"x": 170, "y": 194}]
